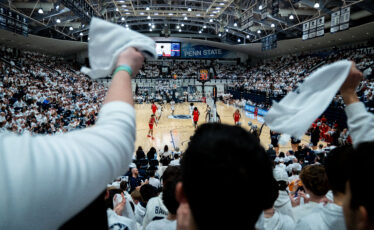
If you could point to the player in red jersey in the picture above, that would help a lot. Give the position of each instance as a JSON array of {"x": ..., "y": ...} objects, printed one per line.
[
  {"x": 195, "y": 115},
  {"x": 152, "y": 121},
  {"x": 237, "y": 117},
  {"x": 154, "y": 108},
  {"x": 256, "y": 112}
]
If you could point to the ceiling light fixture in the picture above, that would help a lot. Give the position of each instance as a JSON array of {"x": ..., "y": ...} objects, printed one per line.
[
  {"x": 258, "y": 31},
  {"x": 247, "y": 36},
  {"x": 235, "y": 24},
  {"x": 198, "y": 15},
  {"x": 291, "y": 17},
  {"x": 156, "y": 13},
  {"x": 81, "y": 34},
  {"x": 239, "y": 40},
  {"x": 153, "y": 26},
  {"x": 260, "y": 7},
  {"x": 185, "y": 18},
  {"x": 149, "y": 17},
  {"x": 219, "y": 35},
  {"x": 147, "y": 8},
  {"x": 189, "y": 9},
  {"x": 222, "y": 4},
  {"x": 204, "y": 26},
  {"x": 210, "y": 20},
  {"x": 71, "y": 28},
  {"x": 316, "y": 5},
  {"x": 180, "y": 30},
  {"x": 58, "y": 20},
  {"x": 272, "y": 25},
  {"x": 122, "y": 19},
  {"x": 170, "y": 14},
  {"x": 40, "y": 11},
  {"x": 182, "y": 25},
  {"x": 141, "y": 13},
  {"x": 199, "y": 31}
]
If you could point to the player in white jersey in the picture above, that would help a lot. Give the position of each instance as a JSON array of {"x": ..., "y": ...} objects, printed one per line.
[
  {"x": 159, "y": 112},
  {"x": 191, "y": 108},
  {"x": 172, "y": 107}
]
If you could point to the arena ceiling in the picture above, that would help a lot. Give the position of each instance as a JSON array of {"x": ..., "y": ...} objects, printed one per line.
[{"x": 214, "y": 20}]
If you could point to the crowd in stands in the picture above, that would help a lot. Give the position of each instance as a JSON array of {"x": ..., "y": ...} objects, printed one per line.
[
  {"x": 41, "y": 94},
  {"x": 302, "y": 189}
]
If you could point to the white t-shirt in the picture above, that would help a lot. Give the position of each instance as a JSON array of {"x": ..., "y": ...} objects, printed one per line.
[
  {"x": 175, "y": 162},
  {"x": 304, "y": 210},
  {"x": 116, "y": 222},
  {"x": 163, "y": 224},
  {"x": 155, "y": 208},
  {"x": 329, "y": 217},
  {"x": 107, "y": 146}
]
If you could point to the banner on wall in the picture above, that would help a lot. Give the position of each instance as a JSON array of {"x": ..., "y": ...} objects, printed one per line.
[{"x": 201, "y": 51}]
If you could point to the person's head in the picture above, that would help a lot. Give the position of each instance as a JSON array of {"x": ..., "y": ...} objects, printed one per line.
[
  {"x": 136, "y": 196},
  {"x": 359, "y": 200},
  {"x": 152, "y": 115},
  {"x": 134, "y": 172},
  {"x": 166, "y": 148},
  {"x": 147, "y": 191},
  {"x": 123, "y": 185},
  {"x": 170, "y": 173},
  {"x": 191, "y": 104},
  {"x": 314, "y": 180},
  {"x": 212, "y": 150},
  {"x": 336, "y": 165},
  {"x": 168, "y": 191},
  {"x": 281, "y": 155},
  {"x": 237, "y": 111},
  {"x": 140, "y": 148},
  {"x": 195, "y": 109},
  {"x": 176, "y": 156}
]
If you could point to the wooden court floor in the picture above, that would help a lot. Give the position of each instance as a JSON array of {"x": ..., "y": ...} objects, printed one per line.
[{"x": 177, "y": 132}]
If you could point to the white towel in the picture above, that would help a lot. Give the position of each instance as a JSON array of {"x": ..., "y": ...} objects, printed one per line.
[
  {"x": 295, "y": 113},
  {"x": 107, "y": 40}
]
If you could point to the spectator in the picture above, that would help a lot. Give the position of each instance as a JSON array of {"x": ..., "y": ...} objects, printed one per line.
[
  {"x": 212, "y": 149},
  {"x": 135, "y": 180},
  {"x": 112, "y": 138},
  {"x": 315, "y": 184},
  {"x": 140, "y": 153},
  {"x": 331, "y": 216}
]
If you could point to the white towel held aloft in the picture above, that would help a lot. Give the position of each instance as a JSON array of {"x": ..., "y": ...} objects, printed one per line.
[{"x": 107, "y": 41}]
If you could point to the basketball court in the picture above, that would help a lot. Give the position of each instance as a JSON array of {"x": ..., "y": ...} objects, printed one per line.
[{"x": 177, "y": 132}]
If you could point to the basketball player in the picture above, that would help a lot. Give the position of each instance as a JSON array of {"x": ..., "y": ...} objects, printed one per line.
[
  {"x": 237, "y": 117},
  {"x": 191, "y": 108},
  {"x": 256, "y": 112},
  {"x": 207, "y": 115},
  {"x": 154, "y": 108},
  {"x": 172, "y": 107},
  {"x": 159, "y": 113},
  {"x": 152, "y": 121},
  {"x": 196, "y": 115},
  {"x": 274, "y": 138}
]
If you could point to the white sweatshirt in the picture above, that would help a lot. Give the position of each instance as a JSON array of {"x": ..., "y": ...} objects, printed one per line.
[
  {"x": 155, "y": 208},
  {"x": 63, "y": 173},
  {"x": 329, "y": 217},
  {"x": 360, "y": 123}
]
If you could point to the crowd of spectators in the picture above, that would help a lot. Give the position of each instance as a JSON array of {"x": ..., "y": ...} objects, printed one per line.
[
  {"x": 305, "y": 189},
  {"x": 41, "y": 94}
]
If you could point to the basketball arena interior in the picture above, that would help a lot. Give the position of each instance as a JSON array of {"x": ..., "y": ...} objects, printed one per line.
[{"x": 186, "y": 114}]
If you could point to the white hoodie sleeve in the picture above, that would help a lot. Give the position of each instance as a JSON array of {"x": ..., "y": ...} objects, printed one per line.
[
  {"x": 360, "y": 123},
  {"x": 48, "y": 179}
]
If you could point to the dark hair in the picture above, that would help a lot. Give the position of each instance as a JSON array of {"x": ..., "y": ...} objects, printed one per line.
[
  {"x": 170, "y": 173},
  {"x": 213, "y": 149},
  {"x": 123, "y": 185},
  {"x": 168, "y": 191},
  {"x": 359, "y": 176},
  {"x": 166, "y": 148},
  {"x": 147, "y": 191},
  {"x": 176, "y": 156},
  {"x": 336, "y": 165},
  {"x": 314, "y": 179},
  {"x": 281, "y": 154}
]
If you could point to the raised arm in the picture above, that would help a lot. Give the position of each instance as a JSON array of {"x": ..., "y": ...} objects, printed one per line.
[
  {"x": 360, "y": 122},
  {"x": 48, "y": 179}
]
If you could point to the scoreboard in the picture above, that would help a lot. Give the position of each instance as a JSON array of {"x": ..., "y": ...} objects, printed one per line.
[
  {"x": 203, "y": 75},
  {"x": 13, "y": 22}
]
